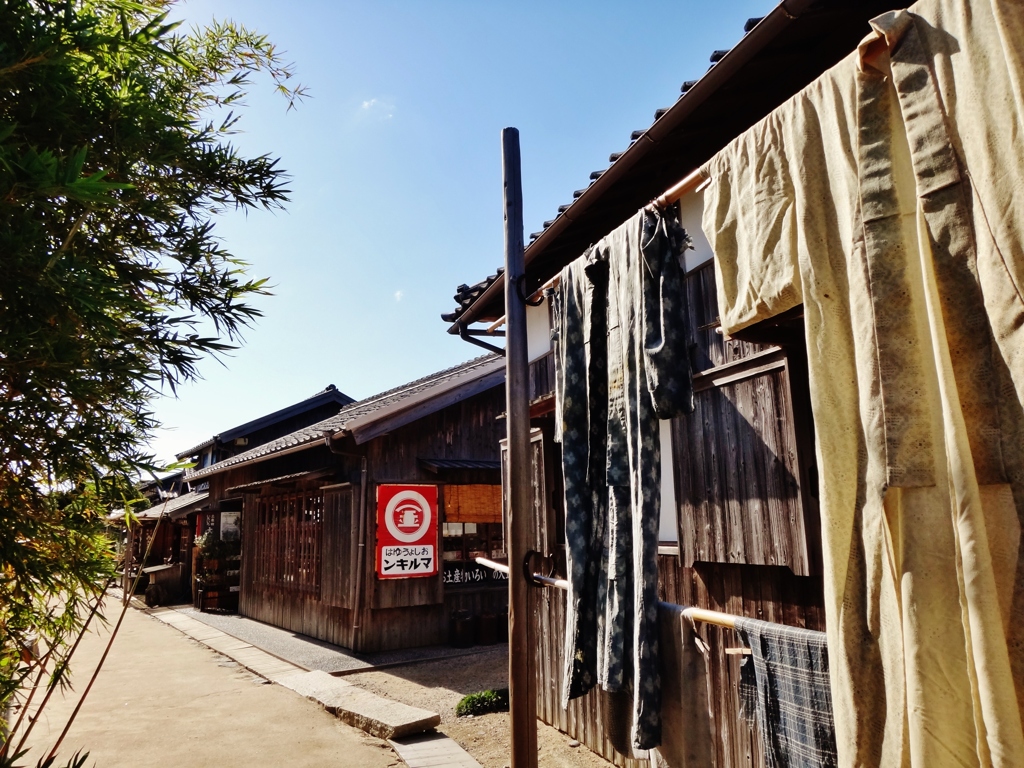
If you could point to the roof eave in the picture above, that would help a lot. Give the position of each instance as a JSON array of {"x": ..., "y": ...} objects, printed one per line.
[
  {"x": 749, "y": 46},
  {"x": 285, "y": 413}
]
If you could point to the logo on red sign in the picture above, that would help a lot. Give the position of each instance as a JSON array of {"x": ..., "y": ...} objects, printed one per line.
[{"x": 406, "y": 531}]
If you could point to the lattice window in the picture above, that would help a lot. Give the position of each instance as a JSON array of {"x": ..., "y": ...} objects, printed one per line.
[{"x": 288, "y": 541}]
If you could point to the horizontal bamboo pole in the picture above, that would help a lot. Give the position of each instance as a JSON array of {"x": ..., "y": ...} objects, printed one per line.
[{"x": 696, "y": 614}]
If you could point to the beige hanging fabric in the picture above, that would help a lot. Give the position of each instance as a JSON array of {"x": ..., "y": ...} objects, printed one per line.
[{"x": 888, "y": 198}]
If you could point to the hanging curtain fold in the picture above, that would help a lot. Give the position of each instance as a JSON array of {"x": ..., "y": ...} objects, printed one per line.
[{"x": 888, "y": 198}]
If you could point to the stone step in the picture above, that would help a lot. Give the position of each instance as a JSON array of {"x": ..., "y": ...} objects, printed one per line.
[
  {"x": 432, "y": 750},
  {"x": 378, "y": 716}
]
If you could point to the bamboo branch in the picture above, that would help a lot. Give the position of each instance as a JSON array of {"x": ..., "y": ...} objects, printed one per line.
[
  {"x": 49, "y": 692},
  {"x": 106, "y": 651}
]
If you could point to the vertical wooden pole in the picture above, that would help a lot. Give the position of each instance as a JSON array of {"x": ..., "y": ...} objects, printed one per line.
[{"x": 522, "y": 687}]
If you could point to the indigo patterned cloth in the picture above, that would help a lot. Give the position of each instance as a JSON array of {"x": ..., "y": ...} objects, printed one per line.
[
  {"x": 791, "y": 693},
  {"x": 621, "y": 365},
  {"x": 580, "y": 425}
]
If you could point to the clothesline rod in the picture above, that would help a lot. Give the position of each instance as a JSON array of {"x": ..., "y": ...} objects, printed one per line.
[
  {"x": 710, "y": 617},
  {"x": 547, "y": 581},
  {"x": 696, "y": 614},
  {"x": 691, "y": 183},
  {"x": 500, "y": 567}
]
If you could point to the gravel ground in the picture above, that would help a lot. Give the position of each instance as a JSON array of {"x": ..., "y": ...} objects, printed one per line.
[{"x": 439, "y": 685}]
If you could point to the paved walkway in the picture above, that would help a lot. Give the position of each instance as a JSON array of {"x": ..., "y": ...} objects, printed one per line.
[
  {"x": 162, "y": 700},
  {"x": 409, "y": 730},
  {"x": 304, "y": 652},
  {"x": 254, "y": 659}
]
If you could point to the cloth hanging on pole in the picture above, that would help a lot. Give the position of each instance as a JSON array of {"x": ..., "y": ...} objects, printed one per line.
[
  {"x": 790, "y": 693},
  {"x": 581, "y": 351},
  {"x": 888, "y": 198},
  {"x": 622, "y": 364}
]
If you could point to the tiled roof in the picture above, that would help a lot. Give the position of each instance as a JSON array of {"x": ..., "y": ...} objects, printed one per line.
[
  {"x": 364, "y": 412},
  {"x": 778, "y": 55},
  {"x": 189, "y": 452},
  {"x": 467, "y": 294},
  {"x": 328, "y": 394},
  {"x": 179, "y": 504},
  {"x": 439, "y": 465}
]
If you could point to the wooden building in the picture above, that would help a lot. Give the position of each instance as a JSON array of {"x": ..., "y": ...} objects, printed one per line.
[
  {"x": 309, "y": 512},
  {"x": 178, "y": 510},
  {"x": 740, "y": 525}
]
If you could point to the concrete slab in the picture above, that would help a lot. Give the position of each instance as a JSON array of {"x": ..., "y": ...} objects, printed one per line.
[
  {"x": 227, "y": 645},
  {"x": 314, "y": 685},
  {"x": 203, "y": 632},
  {"x": 432, "y": 750},
  {"x": 378, "y": 716},
  {"x": 169, "y": 615}
]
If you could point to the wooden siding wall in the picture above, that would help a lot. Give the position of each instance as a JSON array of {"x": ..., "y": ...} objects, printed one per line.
[
  {"x": 747, "y": 508},
  {"x": 542, "y": 376},
  {"x": 770, "y": 593},
  {"x": 737, "y": 466},
  {"x": 340, "y": 547},
  {"x": 466, "y": 430},
  {"x": 273, "y": 601},
  {"x": 285, "y": 533},
  {"x": 737, "y": 472}
]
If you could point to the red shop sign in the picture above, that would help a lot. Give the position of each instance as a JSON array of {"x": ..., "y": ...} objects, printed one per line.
[{"x": 406, "y": 531}]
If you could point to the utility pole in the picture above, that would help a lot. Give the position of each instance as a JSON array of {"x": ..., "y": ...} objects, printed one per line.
[{"x": 521, "y": 684}]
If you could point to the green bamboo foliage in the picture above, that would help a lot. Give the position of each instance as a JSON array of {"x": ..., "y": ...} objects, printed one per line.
[{"x": 115, "y": 157}]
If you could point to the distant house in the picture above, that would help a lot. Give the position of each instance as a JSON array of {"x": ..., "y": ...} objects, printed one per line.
[
  {"x": 254, "y": 433},
  {"x": 184, "y": 506},
  {"x": 309, "y": 513}
]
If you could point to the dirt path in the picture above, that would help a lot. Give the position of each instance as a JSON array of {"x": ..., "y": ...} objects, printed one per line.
[
  {"x": 163, "y": 700},
  {"x": 439, "y": 685}
]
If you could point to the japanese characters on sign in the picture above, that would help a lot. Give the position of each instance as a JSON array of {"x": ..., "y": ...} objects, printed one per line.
[
  {"x": 406, "y": 531},
  {"x": 462, "y": 574}
]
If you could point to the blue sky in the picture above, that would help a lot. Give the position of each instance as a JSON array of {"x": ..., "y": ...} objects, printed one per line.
[{"x": 396, "y": 172}]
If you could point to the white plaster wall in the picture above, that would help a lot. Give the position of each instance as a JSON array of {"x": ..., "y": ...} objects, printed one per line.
[
  {"x": 667, "y": 530},
  {"x": 538, "y": 331},
  {"x": 691, "y": 210}
]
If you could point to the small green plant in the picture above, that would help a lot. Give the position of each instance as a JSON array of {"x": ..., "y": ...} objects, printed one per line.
[{"x": 495, "y": 700}]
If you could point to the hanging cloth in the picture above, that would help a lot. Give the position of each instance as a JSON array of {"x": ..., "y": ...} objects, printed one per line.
[
  {"x": 888, "y": 198},
  {"x": 621, "y": 353},
  {"x": 790, "y": 694}
]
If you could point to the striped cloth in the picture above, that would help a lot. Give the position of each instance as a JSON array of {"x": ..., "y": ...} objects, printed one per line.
[{"x": 792, "y": 694}]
